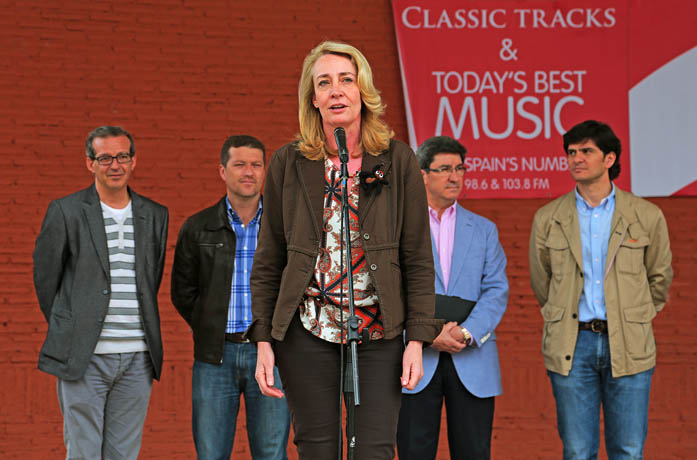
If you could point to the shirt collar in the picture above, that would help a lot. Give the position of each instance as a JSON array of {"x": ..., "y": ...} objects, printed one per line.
[
  {"x": 449, "y": 211},
  {"x": 232, "y": 215},
  {"x": 606, "y": 202}
]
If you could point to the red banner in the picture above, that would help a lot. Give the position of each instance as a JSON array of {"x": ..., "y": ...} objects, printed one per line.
[
  {"x": 663, "y": 97},
  {"x": 508, "y": 78}
]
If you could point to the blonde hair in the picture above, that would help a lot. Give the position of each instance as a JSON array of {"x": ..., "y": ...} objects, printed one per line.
[{"x": 375, "y": 134}]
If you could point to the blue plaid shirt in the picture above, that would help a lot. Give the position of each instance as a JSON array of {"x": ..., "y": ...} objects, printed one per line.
[{"x": 239, "y": 315}]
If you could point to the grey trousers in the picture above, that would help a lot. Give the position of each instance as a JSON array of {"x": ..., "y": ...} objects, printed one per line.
[{"x": 104, "y": 411}]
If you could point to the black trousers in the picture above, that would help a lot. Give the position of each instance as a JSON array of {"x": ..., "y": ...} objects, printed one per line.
[
  {"x": 310, "y": 370},
  {"x": 469, "y": 418}
]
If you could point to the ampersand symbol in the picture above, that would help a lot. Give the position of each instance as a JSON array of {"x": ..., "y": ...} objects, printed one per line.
[{"x": 506, "y": 53}]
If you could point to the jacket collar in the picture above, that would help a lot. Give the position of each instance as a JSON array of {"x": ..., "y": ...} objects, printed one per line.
[
  {"x": 624, "y": 213},
  {"x": 463, "y": 240},
  {"x": 311, "y": 177},
  {"x": 567, "y": 217},
  {"x": 623, "y": 217},
  {"x": 218, "y": 219},
  {"x": 95, "y": 222},
  {"x": 365, "y": 202},
  {"x": 464, "y": 224}
]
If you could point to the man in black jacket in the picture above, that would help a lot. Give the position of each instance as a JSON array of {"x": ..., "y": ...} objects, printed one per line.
[{"x": 210, "y": 289}]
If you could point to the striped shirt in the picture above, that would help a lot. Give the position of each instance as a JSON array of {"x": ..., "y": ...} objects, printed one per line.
[
  {"x": 239, "y": 315},
  {"x": 123, "y": 326}
]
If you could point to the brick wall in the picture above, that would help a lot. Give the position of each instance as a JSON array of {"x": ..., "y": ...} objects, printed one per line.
[{"x": 182, "y": 76}]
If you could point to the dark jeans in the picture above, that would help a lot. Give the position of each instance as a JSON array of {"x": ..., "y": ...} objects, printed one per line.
[
  {"x": 216, "y": 392},
  {"x": 310, "y": 370},
  {"x": 469, "y": 418}
]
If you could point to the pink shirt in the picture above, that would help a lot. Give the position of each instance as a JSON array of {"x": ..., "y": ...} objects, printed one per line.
[{"x": 443, "y": 234}]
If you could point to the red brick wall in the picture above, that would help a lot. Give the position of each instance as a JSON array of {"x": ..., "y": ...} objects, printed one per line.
[{"x": 181, "y": 76}]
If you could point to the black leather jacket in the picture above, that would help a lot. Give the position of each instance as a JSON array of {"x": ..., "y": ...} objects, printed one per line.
[{"x": 204, "y": 260}]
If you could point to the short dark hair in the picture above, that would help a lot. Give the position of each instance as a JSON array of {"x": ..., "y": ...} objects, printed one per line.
[
  {"x": 602, "y": 135},
  {"x": 435, "y": 145},
  {"x": 240, "y": 140},
  {"x": 107, "y": 131}
]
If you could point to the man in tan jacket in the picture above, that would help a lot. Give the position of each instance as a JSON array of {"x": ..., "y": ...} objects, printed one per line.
[{"x": 600, "y": 268}]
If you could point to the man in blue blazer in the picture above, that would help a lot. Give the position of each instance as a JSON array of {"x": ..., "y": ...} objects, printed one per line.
[{"x": 462, "y": 365}]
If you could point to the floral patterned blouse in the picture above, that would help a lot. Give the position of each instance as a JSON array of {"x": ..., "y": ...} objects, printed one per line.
[{"x": 323, "y": 300}]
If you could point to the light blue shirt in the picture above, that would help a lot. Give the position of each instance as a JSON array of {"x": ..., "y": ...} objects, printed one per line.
[{"x": 595, "y": 226}]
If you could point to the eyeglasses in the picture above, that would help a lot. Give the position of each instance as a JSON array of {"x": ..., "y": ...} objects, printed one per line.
[
  {"x": 106, "y": 160},
  {"x": 448, "y": 169}
]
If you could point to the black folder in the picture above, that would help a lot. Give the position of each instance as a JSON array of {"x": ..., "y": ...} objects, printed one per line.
[{"x": 452, "y": 308}]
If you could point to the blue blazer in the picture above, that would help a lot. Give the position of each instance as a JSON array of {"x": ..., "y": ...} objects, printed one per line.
[{"x": 477, "y": 272}]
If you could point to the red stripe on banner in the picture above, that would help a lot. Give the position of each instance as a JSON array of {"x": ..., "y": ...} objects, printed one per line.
[
  {"x": 658, "y": 33},
  {"x": 689, "y": 190}
]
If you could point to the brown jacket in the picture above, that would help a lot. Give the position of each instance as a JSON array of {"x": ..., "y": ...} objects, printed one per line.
[
  {"x": 396, "y": 238},
  {"x": 636, "y": 285}
]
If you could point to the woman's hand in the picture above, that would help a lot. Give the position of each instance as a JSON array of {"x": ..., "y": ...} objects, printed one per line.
[
  {"x": 412, "y": 364},
  {"x": 264, "y": 371}
]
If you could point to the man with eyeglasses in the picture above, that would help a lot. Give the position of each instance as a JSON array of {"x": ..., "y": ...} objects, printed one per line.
[
  {"x": 462, "y": 365},
  {"x": 98, "y": 264}
]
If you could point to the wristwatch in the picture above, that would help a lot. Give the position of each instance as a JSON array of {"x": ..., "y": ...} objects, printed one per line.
[{"x": 468, "y": 336}]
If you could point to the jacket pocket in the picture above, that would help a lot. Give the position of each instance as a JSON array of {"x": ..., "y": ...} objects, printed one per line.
[
  {"x": 59, "y": 339},
  {"x": 397, "y": 277},
  {"x": 638, "y": 332},
  {"x": 208, "y": 246},
  {"x": 630, "y": 255},
  {"x": 212, "y": 260},
  {"x": 553, "y": 329},
  {"x": 559, "y": 255}
]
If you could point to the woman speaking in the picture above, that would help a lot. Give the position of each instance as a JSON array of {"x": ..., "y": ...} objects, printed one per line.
[{"x": 299, "y": 283}]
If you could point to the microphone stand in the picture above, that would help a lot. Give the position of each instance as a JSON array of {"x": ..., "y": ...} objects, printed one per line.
[{"x": 350, "y": 380}]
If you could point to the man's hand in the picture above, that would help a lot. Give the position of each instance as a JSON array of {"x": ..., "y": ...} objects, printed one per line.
[
  {"x": 450, "y": 338},
  {"x": 412, "y": 364},
  {"x": 264, "y": 371}
]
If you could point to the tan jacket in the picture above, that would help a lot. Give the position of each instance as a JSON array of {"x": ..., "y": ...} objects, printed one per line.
[
  {"x": 396, "y": 238},
  {"x": 637, "y": 278}
]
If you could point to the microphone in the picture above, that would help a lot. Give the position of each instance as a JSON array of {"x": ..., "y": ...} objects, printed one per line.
[{"x": 340, "y": 137}]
